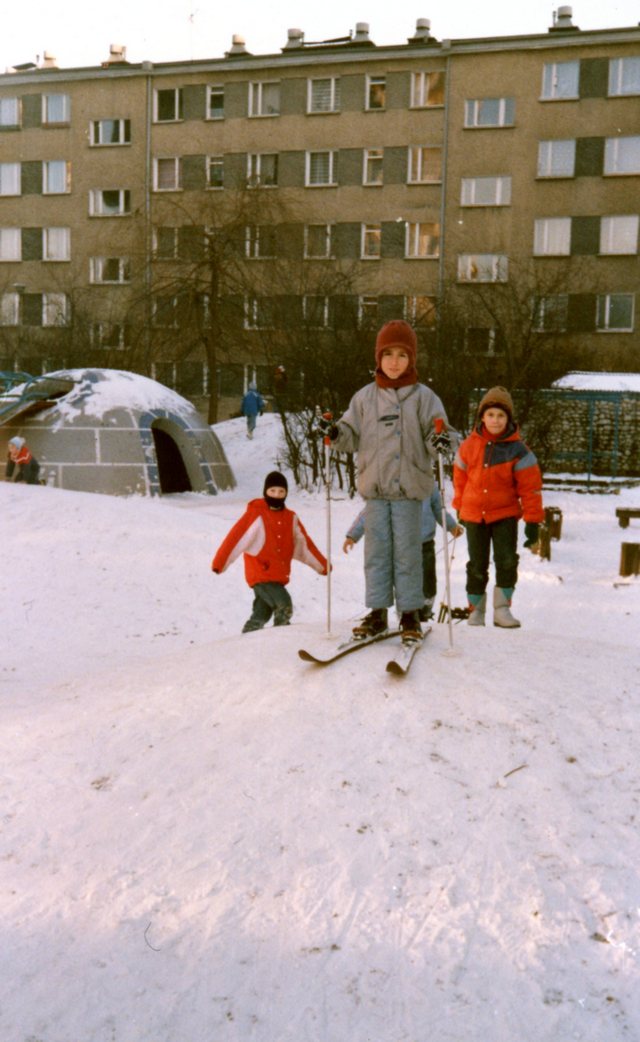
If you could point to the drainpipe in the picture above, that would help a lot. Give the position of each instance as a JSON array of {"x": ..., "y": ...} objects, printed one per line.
[
  {"x": 148, "y": 67},
  {"x": 445, "y": 157}
]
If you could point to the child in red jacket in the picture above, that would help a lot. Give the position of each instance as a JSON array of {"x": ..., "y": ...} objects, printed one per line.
[
  {"x": 270, "y": 536},
  {"x": 496, "y": 480}
]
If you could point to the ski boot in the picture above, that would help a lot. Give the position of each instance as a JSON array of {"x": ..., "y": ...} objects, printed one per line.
[
  {"x": 411, "y": 630},
  {"x": 372, "y": 624},
  {"x": 426, "y": 611}
]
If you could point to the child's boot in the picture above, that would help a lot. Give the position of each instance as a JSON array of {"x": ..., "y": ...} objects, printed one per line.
[
  {"x": 502, "y": 609},
  {"x": 410, "y": 627},
  {"x": 426, "y": 611},
  {"x": 282, "y": 616},
  {"x": 477, "y": 608},
  {"x": 372, "y": 624}
]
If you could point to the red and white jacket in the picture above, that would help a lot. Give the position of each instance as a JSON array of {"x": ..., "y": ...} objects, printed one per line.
[{"x": 269, "y": 540}]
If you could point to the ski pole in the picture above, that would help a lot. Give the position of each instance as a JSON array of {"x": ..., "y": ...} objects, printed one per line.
[
  {"x": 438, "y": 424},
  {"x": 326, "y": 441}
]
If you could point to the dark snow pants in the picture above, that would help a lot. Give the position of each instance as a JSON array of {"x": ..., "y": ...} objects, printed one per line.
[
  {"x": 269, "y": 599},
  {"x": 503, "y": 535}
]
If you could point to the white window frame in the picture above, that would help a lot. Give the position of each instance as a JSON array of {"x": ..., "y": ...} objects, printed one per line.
[
  {"x": 259, "y": 242},
  {"x": 420, "y": 310},
  {"x": 418, "y": 165},
  {"x": 495, "y": 266},
  {"x": 253, "y": 316},
  {"x": 51, "y": 102},
  {"x": 616, "y": 162},
  {"x": 160, "y": 305},
  {"x": 604, "y": 307},
  {"x": 486, "y": 191},
  {"x": 102, "y": 332},
  {"x": 316, "y": 305},
  {"x": 422, "y": 240},
  {"x": 10, "y": 245},
  {"x": 426, "y": 84},
  {"x": 10, "y": 179},
  {"x": 165, "y": 230},
  {"x": 259, "y": 106},
  {"x": 172, "y": 164},
  {"x": 56, "y": 310},
  {"x": 375, "y": 84},
  {"x": 215, "y": 90},
  {"x": 552, "y": 161},
  {"x": 552, "y": 237},
  {"x": 373, "y": 167},
  {"x": 619, "y": 235},
  {"x": 328, "y": 240},
  {"x": 371, "y": 242},
  {"x": 332, "y": 165},
  {"x": 561, "y": 81},
  {"x": 97, "y": 128},
  {"x": 551, "y": 313},
  {"x": 96, "y": 202},
  {"x": 99, "y": 268},
  {"x": 10, "y": 112},
  {"x": 624, "y": 76},
  {"x": 316, "y": 103},
  {"x": 56, "y": 244},
  {"x": 474, "y": 112},
  {"x": 178, "y": 101},
  {"x": 368, "y": 308},
  {"x": 215, "y": 162},
  {"x": 56, "y": 173},
  {"x": 256, "y": 177},
  {"x": 9, "y": 309}
]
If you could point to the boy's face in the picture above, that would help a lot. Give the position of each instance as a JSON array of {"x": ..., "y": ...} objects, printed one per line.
[
  {"x": 394, "y": 362},
  {"x": 276, "y": 492},
  {"x": 495, "y": 420}
]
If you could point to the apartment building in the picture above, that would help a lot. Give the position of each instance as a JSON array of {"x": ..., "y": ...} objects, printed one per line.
[{"x": 425, "y": 169}]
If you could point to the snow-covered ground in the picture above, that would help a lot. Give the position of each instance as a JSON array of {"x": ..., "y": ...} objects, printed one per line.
[{"x": 206, "y": 839}]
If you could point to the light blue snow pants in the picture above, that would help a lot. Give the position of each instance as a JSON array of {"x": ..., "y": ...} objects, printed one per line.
[{"x": 393, "y": 554}]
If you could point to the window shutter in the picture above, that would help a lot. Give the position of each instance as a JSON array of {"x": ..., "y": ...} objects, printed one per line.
[
  {"x": 32, "y": 309},
  {"x": 32, "y": 244},
  {"x": 194, "y": 101},
  {"x": 594, "y": 77},
  {"x": 585, "y": 236},
  {"x": 589, "y": 157},
  {"x": 31, "y": 176},
  {"x": 31, "y": 110},
  {"x": 193, "y": 173},
  {"x": 581, "y": 316}
]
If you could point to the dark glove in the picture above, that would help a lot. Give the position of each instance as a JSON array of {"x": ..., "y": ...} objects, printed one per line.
[
  {"x": 442, "y": 441},
  {"x": 531, "y": 533},
  {"x": 325, "y": 427}
]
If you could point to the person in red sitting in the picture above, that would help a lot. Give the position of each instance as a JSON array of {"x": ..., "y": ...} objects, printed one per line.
[
  {"x": 21, "y": 464},
  {"x": 270, "y": 536}
]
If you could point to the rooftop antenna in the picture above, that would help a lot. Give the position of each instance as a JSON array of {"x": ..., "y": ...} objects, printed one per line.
[{"x": 191, "y": 18}]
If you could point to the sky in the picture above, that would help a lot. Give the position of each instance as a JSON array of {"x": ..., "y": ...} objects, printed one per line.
[{"x": 79, "y": 32}]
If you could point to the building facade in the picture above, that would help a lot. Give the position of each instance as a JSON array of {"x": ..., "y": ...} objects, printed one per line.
[{"x": 428, "y": 171}]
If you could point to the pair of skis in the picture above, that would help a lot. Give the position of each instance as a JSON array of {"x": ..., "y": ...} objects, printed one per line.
[{"x": 399, "y": 663}]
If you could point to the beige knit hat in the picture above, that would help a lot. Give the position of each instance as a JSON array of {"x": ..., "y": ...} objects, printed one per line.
[{"x": 498, "y": 398}]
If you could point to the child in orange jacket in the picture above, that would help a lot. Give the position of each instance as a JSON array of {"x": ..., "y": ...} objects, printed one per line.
[
  {"x": 496, "y": 480},
  {"x": 270, "y": 536}
]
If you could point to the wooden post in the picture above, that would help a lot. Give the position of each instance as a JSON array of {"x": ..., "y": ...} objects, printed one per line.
[
  {"x": 630, "y": 559},
  {"x": 544, "y": 543},
  {"x": 553, "y": 521}
]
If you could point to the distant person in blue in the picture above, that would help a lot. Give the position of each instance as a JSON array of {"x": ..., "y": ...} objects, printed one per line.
[
  {"x": 431, "y": 513},
  {"x": 252, "y": 405}
]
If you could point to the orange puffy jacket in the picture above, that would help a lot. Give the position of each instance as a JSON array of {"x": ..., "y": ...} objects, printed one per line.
[
  {"x": 496, "y": 479},
  {"x": 269, "y": 540}
]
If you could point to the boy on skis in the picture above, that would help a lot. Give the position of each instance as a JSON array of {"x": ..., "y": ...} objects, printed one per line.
[
  {"x": 496, "y": 480},
  {"x": 390, "y": 424},
  {"x": 269, "y": 535}
]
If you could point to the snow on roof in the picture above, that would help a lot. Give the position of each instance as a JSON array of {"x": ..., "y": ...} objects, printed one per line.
[{"x": 599, "y": 382}]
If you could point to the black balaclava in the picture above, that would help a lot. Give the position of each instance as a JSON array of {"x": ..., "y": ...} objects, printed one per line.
[{"x": 275, "y": 480}]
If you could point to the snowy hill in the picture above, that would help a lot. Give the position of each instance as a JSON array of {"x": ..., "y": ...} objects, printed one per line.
[{"x": 206, "y": 839}]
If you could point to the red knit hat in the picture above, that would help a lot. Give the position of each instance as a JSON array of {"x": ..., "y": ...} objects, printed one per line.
[{"x": 397, "y": 333}]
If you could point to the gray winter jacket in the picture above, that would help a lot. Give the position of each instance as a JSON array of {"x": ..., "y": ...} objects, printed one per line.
[{"x": 391, "y": 431}]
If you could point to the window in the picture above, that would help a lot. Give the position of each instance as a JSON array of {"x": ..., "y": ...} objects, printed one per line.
[
  {"x": 370, "y": 248},
  {"x": 56, "y": 177},
  {"x": 167, "y": 174},
  {"x": 9, "y": 178},
  {"x": 112, "y": 270},
  {"x": 552, "y": 237},
  {"x": 614, "y": 312},
  {"x": 323, "y": 95},
  {"x": 550, "y": 314},
  {"x": 486, "y": 191},
  {"x": 376, "y": 93},
  {"x": 315, "y": 310},
  {"x": 109, "y": 335},
  {"x": 109, "y": 202},
  {"x": 10, "y": 244},
  {"x": 56, "y": 244},
  {"x": 259, "y": 312},
  {"x": 427, "y": 89},
  {"x": 489, "y": 112},
  {"x": 624, "y": 76},
  {"x": 367, "y": 311},
  {"x": 9, "y": 309},
  {"x": 560, "y": 80},
  {"x": 260, "y": 242},
  {"x": 482, "y": 267},
  {"x": 164, "y": 312},
  {"x": 557, "y": 158},
  {"x": 425, "y": 165},
  {"x": 111, "y": 132},
  {"x": 372, "y": 166},
  {"x": 165, "y": 243},
  {"x": 168, "y": 107},
  {"x": 215, "y": 101},
  {"x": 56, "y": 310},
  {"x": 420, "y": 311},
  {"x": 9, "y": 112},
  {"x": 56, "y": 108},
  {"x": 215, "y": 172},
  {"x": 317, "y": 241},
  {"x": 264, "y": 99},
  {"x": 262, "y": 169},
  {"x": 619, "y": 234},
  {"x": 622, "y": 155},
  {"x": 321, "y": 169},
  {"x": 422, "y": 241}
]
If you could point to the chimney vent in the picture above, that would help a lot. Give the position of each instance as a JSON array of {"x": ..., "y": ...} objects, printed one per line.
[
  {"x": 117, "y": 53},
  {"x": 423, "y": 31},
  {"x": 563, "y": 21},
  {"x": 295, "y": 38},
  {"x": 362, "y": 33},
  {"x": 238, "y": 46},
  {"x": 49, "y": 60}
]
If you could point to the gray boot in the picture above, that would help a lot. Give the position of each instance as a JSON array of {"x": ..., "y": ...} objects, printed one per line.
[
  {"x": 478, "y": 607},
  {"x": 502, "y": 610}
]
